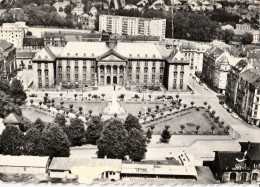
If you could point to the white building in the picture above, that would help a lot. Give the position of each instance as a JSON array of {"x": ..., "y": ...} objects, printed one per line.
[
  {"x": 23, "y": 164},
  {"x": 13, "y": 33},
  {"x": 24, "y": 59},
  {"x": 60, "y": 6},
  {"x": 132, "y": 26},
  {"x": 78, "y": 10}
]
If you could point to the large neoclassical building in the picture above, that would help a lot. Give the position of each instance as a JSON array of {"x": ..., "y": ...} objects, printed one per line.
[{"x": 82, "y": 64}]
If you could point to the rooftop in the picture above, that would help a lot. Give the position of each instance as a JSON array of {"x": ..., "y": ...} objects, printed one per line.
[
  {"x": 24, "y": 161},
  {"x": 12, "y": 119},
  {"x": 253, "y": 149},
  {"x": 252, "y": 76},
  {"x": 5, "y": 45},
  {"x": 23, "y": 54}
]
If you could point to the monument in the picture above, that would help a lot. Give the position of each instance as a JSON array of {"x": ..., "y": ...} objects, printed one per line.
[{"x": 114, "y": 107}]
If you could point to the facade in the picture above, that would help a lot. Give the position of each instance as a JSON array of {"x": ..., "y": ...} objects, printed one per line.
[
  {"x": 60, "y": 6},
  {"x": 122, "y": 25},
  {"x": 215, "y": 68},
  {"x": 8, "y": 56},
  {"x": 176, "y": 72},
  {"x": 32, "y": 43},
  {"x": 54, "y": 39},
  {"x": 82, "y": 64},
  {"x": 78, "y": 10},
  {"x": 24, "y": 60},
  {"x": 232, "y": 82},
  {"x": 194, "y": 54},
  {"x": 248, "y": 94},
  {"x": 14, "y": 33},
  {"x": 23, "y": 164},
  {"x": 239, "y": 167},
  {"x": 87, "y": 21},
  {"x": 244, "y": 26}
]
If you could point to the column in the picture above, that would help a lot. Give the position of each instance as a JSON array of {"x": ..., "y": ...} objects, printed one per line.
[
  {"x": 111, "y": 75},
  {"x": 118, "y": 78},
  {"x": 105, "y": 75},
  {"x": 98, "y": 75},
  {"x": 125, "y": 76}
]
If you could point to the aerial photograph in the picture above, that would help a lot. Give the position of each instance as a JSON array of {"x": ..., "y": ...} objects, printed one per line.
[{"x": 129, "y": 92}]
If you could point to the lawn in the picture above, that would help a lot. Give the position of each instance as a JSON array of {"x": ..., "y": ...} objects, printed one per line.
[{"x": 190, "y": 115}]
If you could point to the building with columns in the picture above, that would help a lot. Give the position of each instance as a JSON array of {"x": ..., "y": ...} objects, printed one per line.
[{"x": 87, "y": 64}]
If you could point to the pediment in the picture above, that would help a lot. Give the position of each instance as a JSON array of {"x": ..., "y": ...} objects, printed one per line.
[{"x": 111, "y": 56}]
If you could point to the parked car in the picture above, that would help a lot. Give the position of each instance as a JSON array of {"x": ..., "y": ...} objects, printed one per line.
[
  {"x": 225, "y": 106},
  {"x": 33, "y": 95},
  {"x": 169, "y": 97},
  {"x": 229, "y": 110},
  {"x": 206, "y": 88},
  {"x": 234, "y": 115}
]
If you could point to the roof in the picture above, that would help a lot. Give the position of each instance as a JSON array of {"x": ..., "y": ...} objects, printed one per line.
[
  {"x": 240, "y": 66},
  {"x": 254, "y": 54},
  {"x": 252, "y": 76},
  {"x": 24, "y": 54},
  {"x": 23, "y": 161},
  {"x": 158, "y": 169},
  {"x": 176, "y": 57},
  {"x": 30, "y": 41},
  {"x": 12, "y": 119},
  {"x": 228, "y": 160},
  {"x": 5, "y": 45},
  {"x": 96, "y": 49},
  {"x": 45, "y": 55},
  {"x": 253, "y": 149},
  {"x": 66, "y": 163},
  {"x": 53, "y": 35}
]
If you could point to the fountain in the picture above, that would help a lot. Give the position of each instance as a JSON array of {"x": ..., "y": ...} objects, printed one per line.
[{"x": 113, "y": 107}]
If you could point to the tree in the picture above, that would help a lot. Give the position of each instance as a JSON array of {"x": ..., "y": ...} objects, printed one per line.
[
  {"x": 11, "y": 141},
  {"x": 136, "y": 145},
  {"x": 8, "y": 106},
  {"x": 60, "y": 120},
  {"x": 4, "y": 85},
  {"x": 16, "y": 90},
  {"x": 197, "y": 128},
  {"x": 165, "y": 136},
  {"x": 61, "y": 96},
  {"x": 80, "y": 109},
  {"x": 68, "y": 9},
  {"x": 94, "y": 130},
  {"x": 31, "y": 101},
  {"x": 52, "y": 101},
  {"x": 115, "y": 115},
  {"x": 71, "y": 107},
  {"x": 90, "y": 112},
  {"x": 49, "y": 106},
  {"x": 103, "y": 95},
  {"x": 185, "y": 105},
  {"x": 76, "y": 132},
  {"x": 75, "y": 95},
  {"x": 89, "y": 95},
  {"x": 131, "y": 122},
  {"x": 192, "y": 103},
  {"x": 31, "y": 141},
  {"x": 67, "y": 112},
  {"x": 212, "y": 128},
  {"x": 153, "y": 116},
  {"x": 149, "y": 133},
  {"x": 54, "y": 142},
  {"x": 40, "y": 103},
  {"x": 247, "y": 38},
  {"x": 227, "y": 35},
  {"x": 136, "y": 97},
  {"x": 113, "y": 140},
  {"x": 157, "y": 107},
  {"x": 205, "y": 104},
  {"x": 182, "y": 128}
]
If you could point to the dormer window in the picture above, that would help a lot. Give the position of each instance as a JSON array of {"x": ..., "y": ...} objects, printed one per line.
[
  {"x": 154, "y": 55},
  {"x": 130, "y": 55},
  {"x": 76, "y": 54},
  {"x": 138, "y": 55},
  {"x": 93, "y": 54},
  {"x": 39, "y": 56},
  {"x": 46, "y": 56},
  {"x": 68, "y": 54},
  {"x": 84, "y": 54},
  {"x": 146, "y": 55}
]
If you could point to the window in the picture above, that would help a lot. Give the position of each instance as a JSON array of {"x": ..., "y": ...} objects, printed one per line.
[
  {"x": 76, "y": 63},
  {"x": 68, "y": 76},
  {"x": 39, "y": 66},
  {"x": 84, "y": 62},
  {"x": 137, "y": 64},
  {"x": 40, "y": 80},
  {"x": 182, "y": 74},
  {"x": 161, "y": 70},
  {"x": 138, "y": 70},
  {"x": 145, "y": 70},
  {"x": 60, "y": 69},
  {"x": 84, "y": 69},
  {"x": 59, "y": 63},
  {"x": 154, "y": 64},
  {"x": 146, "y": 64},
  {"x": 175, "y": 74},
  {"x": 153, "y": 70},
  {"x": 76, "y": 76},
  {"x": 181, "y": 84},
  {"x": 84, "y": 76},
  {"x": 92, "y": 77},
  {"x": 68, "y": 69},
  {"x": 60, "y": 76},
  {"x": 175, "y": 67},
  {"x": 182, "y": 67},
  {"x": 39, "y": 73},
  {"x": 153, "y": 77},
  {"x": 137, "y": 77},
  {"x": 46, "y": 73},
  {"x": 92, "y": 70},
  {"x": 145, "y": 77},
  {"x": 161, "y": 77},
  {"x": 174, "y": 83},
  {"x": 68, "y": 62},
  {"x": 76, "y": 69}
]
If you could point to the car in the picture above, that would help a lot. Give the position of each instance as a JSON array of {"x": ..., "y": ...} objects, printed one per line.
[
  {"x": 33, "y": 95},
  {"x": 225, "y": 106},
  {"x": 229, "y": 110},
  {"x": 234, "y": 115},
  {"x": 169, "y": 97},
  {"x": 206, "y": 88}
]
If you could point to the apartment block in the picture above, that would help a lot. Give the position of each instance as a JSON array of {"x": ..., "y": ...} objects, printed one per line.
[{"x": 122, "y": 25}]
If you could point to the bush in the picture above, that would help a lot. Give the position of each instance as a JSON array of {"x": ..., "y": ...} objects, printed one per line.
[{"x": 191, "y": 124}]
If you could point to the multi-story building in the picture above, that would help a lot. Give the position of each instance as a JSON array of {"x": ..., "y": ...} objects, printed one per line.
[
  {"x": 132, "y": 25},
  {"x": 83, "y": 64},
  {"x": 232, "y": 81},
  {"x": 13, "y": 33},
  {"x": 194, "y": 54},
  {"x": 8, "y": 56},
  {"x": 176, "y": 72},
  {"x": 215, "y": 68},
  {"x": 24, "y": 59},
  {"x": 238, "y": 167},
  {"x": 32, "y": 43},
  {"x": 248, "y": 96},
  {"x": 54, "y": 38},
  {"x": 78, "y": 10},
  {"x": 87, "y": 21}
]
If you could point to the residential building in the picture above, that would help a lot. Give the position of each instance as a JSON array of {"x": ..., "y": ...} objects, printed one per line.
[
  {"x": 253, "y": 57},
  {"x": 87, "y": 21},
  {"x": 24, "y": 59},
  {"x": 132, "y": 25},
  {"x": 239, "y": 167},
  {"x": 193, "y": 52},
  {"x": 232, "y": 82},
  {"x": 14, "y": 33},
  {"x": 23, "y": 164},
  {"x": 78, "y": 10},
  {"x": 8, "y": 52},
  {"x": 93, "y": 11},
  {"x": 60, "y": 6},
  {"x": 248, "y": 95},
  {"x": 176, "y": 72},
  {"x": 215, "y": 68},
  {"x": 33, "y": 43},
  {"x": 54, "y": 39},
  {"x": 83, "y": 64}
]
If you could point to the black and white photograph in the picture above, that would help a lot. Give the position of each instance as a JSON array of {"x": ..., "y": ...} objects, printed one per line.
[{"x": 130, "y": 92}]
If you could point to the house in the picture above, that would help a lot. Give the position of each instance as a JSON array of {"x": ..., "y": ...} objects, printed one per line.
[
  {"x": 177, "y": 72},
  {"x": 239, "y": 167},
  {"x": 65, "y": 167},
  {"x": 215, "y": 68},
  {"x": 23, "y": 164},
  {"x": 33, "y": 43},
  {"x": 130, "y": 6},
  {"x": 87, "y": 21},
  {"x": 93, "y": 11},
  {"x": 13, "y": 119},
  {"x": 24, "y": 59},
  {"x": 78, "y": 10},
  {"x": 54, "y": 39},
  {"x": 60, "y": 6},
  {"x": 227, "y": 27}
]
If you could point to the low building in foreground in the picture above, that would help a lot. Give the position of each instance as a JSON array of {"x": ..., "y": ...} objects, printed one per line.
[
  {"x": 23, "y": 164},
  {"x": 24, "y": 60},
  {"x": 239, "y": 167}
]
